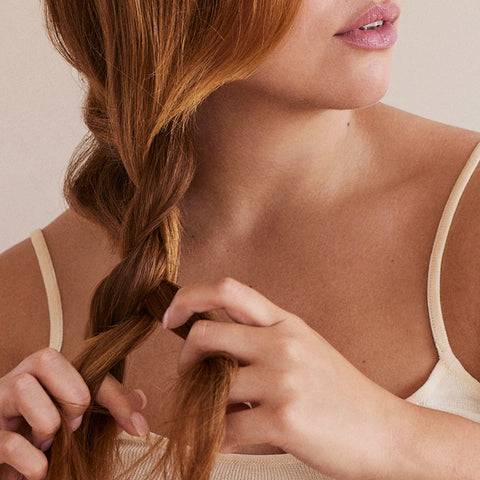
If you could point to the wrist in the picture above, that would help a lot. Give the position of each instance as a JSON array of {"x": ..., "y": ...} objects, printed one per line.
[
  {"x": 383, "y": 443},
  {"x": 403, "y": 428}
]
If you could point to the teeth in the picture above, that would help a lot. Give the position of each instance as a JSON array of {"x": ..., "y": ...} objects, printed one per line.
[{"x": 370, "y": 26}]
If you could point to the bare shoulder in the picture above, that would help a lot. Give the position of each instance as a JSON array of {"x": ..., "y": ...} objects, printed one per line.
[
  {"x": 81, "y": 256},
  {"x": 438, "y": 153},
  {"x": 444, "y": 151},
  {"x": 441, "y": 150},
  {"x": 23, "y": 306},
  {"x": 426, "y": 154},
  {"x": 422, "y": 138},
  {"x": 460, "y": 278}
]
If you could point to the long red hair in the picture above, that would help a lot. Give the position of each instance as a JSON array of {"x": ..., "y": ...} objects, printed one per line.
[{"x": 147, "y": 66}]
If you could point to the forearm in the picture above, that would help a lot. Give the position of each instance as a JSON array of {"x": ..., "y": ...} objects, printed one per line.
[{"x": 429, "y": 444}]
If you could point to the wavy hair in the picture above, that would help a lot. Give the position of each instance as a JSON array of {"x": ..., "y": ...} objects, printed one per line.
[{"x": 147, "y": 66}]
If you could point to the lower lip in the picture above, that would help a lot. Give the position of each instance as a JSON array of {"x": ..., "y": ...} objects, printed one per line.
[{"x": 379, "y": 38}]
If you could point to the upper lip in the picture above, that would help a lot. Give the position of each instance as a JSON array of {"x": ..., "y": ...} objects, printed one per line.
[{"x": 388, "y": 12}]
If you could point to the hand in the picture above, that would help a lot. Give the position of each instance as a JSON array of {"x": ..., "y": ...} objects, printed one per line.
[
  {"x": 307, "y": 398},
  {"x": 29, "y": 419}
]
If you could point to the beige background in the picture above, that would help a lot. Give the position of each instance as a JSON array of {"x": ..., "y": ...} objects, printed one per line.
[{"x": 436, "y": 74}]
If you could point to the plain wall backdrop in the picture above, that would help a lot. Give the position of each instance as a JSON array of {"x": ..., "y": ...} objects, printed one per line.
[{"x": 436, "y": 74}]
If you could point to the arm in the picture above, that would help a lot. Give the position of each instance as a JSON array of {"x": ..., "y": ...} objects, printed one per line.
[{"x": 429, "y": 444}]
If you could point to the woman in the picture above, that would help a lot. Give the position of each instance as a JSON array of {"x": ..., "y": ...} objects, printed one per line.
[{"x": 309, "y": 219}]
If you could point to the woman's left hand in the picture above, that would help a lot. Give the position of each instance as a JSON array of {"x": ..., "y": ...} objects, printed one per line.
[{"x": 307, "y": 398}]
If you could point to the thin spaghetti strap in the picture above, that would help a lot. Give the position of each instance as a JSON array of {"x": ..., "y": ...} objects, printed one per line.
[
  {"x": 434, "y": 271},
  {"x": 51, "y": 288}
]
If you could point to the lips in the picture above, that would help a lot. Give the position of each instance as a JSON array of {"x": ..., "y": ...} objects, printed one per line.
[{"x": 386, "y": 12}]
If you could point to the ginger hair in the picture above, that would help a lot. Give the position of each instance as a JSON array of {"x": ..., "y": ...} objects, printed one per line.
[{"x": 147, "y": 65}]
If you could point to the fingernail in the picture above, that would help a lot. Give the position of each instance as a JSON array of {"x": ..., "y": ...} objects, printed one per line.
[
  {"x": 165, "y": 319},
  {"x": 46, "y": 445},
  {"x": 142, "y": 396},
  {"x": 76, "y": 422},
  {"x": 140, "y": 424}
]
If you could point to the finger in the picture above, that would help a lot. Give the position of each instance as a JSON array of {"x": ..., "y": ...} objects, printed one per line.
[
  {"x": 20, "y": 454},
  {"x": 29, "y": 400},
  {"x": 58, "y": 376},
  {"x": 206, "y": 336},
  {"x": 124, "y": 405},
  {"x": 242, "y": 303},
  {"x": 248, "y": 386},
  {"x": 248, "y": 426}
]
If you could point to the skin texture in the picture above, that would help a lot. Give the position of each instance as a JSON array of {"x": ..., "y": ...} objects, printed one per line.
[
  {"x": 294, "y": 380},
  {"x": 293, "y": 121},
  {"x": 324, "y": 202}
]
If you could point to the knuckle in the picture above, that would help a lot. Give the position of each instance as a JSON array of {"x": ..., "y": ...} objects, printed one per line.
[
  {"x": 289, "y": 348},
  {"x": 226, "y": 286},
  {"x": 83, "y": 395},
  {"x": 45, "y": 358},
  {"x": 51, "y": 426},
  {"x": 11, "y": 445},
  {"x": 21, "y": 383},
  {"x": 295, "y": 322}
]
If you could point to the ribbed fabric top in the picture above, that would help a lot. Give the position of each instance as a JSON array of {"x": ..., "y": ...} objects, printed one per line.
[{"x": 449, "y": 387}]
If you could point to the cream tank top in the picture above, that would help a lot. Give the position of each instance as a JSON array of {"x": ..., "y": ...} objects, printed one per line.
[{"x": 449, "y": 387}]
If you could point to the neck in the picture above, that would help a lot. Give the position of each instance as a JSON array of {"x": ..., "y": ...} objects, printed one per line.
[{"x": 257, "y": 157}]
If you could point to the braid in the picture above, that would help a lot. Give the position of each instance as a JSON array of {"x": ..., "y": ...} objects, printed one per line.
[
  {"x": 148, "y": 65},
  {"x": 126, "y": 308}
]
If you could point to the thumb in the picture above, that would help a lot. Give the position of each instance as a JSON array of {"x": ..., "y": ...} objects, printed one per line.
[{"x": 124, "y": 405}]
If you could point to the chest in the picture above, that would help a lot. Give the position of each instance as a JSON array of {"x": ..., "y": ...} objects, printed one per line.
[{"x": 367, "y": 299}]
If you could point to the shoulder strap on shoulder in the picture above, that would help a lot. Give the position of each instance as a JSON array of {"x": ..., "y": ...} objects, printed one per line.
[
  {"x": 51, "y": 288},
  {"x": 434, "y": 271}
]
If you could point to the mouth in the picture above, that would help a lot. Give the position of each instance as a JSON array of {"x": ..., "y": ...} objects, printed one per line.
[
  {"x": 373, "y": 25},
  {"x": 374, "y": 18}
]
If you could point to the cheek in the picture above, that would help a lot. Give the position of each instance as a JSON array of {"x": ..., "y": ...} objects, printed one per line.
[
  {"x": 310, "y": 46},
  {"x": 356, "y": 82},
  {"x": 338, "y": 77},
  {"x": 311, "y": 69},
  {"x": 323, "y": 18},
  {"x": 300, "y": 53}
]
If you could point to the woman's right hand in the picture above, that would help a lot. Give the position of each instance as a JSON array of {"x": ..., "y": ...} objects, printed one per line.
[{"x": 29, "y": 419}]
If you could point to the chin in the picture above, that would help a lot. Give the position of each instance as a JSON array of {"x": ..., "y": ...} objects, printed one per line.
[
  {"x": 359, "y": 87},
  {"x": 362, "y": 98},
  {"x": 351, "y": 85}
]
